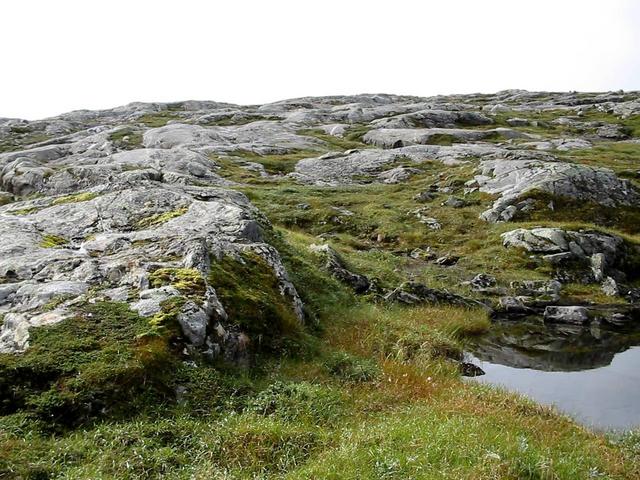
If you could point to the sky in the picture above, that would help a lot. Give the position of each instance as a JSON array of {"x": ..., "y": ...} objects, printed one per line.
[{"x": 65, "y": 55}]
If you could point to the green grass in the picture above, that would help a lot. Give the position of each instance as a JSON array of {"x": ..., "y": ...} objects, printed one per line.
[
  {"x": 351, "y": 140},
  {"x": 275, "y": 164},
  {"x": 359, "y": 390},
  {"x": 377, "y": 238},
  {"x": 158, "y": 119},
  {"x": 428, "y": 443},
  {"x": 621, "y": 157},
  {"x": 257, "y": 306},
  {"x": 374, "y": 403},
  {"x": 129, "y": 138},
  {"x": 624, "y": 218}
]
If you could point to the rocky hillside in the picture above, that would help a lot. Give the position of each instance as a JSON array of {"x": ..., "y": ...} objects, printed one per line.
[{"x": 200, "y": 258}]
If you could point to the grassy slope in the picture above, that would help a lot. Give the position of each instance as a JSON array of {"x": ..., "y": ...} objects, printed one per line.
[{"x": 365, "y": 391}]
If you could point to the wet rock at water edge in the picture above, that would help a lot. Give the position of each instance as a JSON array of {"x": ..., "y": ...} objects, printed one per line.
[
  {"x": 573, "y": 315},
  {"x": 468, "y": 369}
]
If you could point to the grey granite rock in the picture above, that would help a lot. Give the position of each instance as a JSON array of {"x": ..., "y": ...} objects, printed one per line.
[
  {"x": 101, "y": 199},
  {"x": 573, "y": 315},
  {"x": 514, "y": 179}
]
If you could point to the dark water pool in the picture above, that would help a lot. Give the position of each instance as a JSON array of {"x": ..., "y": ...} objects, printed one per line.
[{"x": 590, "y": 373}]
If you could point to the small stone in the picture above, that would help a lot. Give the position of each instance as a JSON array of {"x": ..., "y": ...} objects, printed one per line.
[
  {"x": 598, "y": 266},
  {"x": 513, "y": 305},
  {"x": 422, "y": 254},
  {"x": 431, "y": 222},
  {"x": 447, "y": 260},
  {"x": 468, "y": 369},
  {"x": 610, "y": 287},
  {"x": 482, "y": 281},
  {"x": 454, "y": 202},
  {"x": 517, "y": 122},
  {"x": 424, "y": 197}
]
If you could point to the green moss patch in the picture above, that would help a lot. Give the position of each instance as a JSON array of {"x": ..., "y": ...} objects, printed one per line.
[
  {"x": 276, "y": 164},
  {"x": 250, "y": 293},
  {"x": 85, "y": 367},
  {"x": 351, "y": 140},
  {"x": 75, "y": 198},
  {"x": 21, "y": 139},
  {"x": 53, "y": 241},
  {"x": 24, "y": 211},
  {"x": 127, "y": 138},
  {"x": 158, "y": 119},
  {"x": 187, "y": 281},
  {"x": 160, "y": 218}
]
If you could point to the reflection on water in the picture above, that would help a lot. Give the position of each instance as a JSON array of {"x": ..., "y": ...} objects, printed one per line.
[{"x": 591, "y": 373}]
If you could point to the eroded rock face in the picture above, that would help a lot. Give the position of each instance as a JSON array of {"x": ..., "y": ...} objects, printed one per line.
[
  {"x": 402, "y": 137},
  {"x": 412, "y": 293},
  {"x": 377, "y": 165},
  {"x": 513, "y": 180},
  {"x": 591, "y": 255},
  {"x": 113, "y": 243},
  {"x": 433, "y": 119},
  {"x": 556, "y": 240},
  {"x": 94, "y": 203}
]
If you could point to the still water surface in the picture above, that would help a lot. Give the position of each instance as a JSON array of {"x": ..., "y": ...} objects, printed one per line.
[{"x": 593, "y": 376}]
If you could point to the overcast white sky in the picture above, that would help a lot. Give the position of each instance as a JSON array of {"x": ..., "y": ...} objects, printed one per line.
[{"x": 63, "y": 55}]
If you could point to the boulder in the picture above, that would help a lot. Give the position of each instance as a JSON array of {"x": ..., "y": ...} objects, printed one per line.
[
  {"x": 573, "y": 315},
  {"x": 612, "y": 132},
  {"x": 594, "y": 254},
  {"x": 454, "y": 202},
  {"x": 513, "y": 180}
]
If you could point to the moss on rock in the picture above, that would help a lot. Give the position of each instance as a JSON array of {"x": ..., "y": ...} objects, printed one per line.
[{"x": 250, "y": 292}]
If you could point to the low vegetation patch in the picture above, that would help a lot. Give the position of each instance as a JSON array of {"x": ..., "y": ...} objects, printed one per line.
[
  {"x": 256, "y": 306},
  {"x": 91, "y": 365},
  {"x": 187, "y": 281},
  {"x": 276, "y": 164},
  {"x": 158, "y": 119},
  {"x": 160, "y": 218},
  {"x": 75, "y": 198},
  {"x": 128, "y": 138},
  {"x": 352, "y": 139},
  {"x": 53, "y": 241}
]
